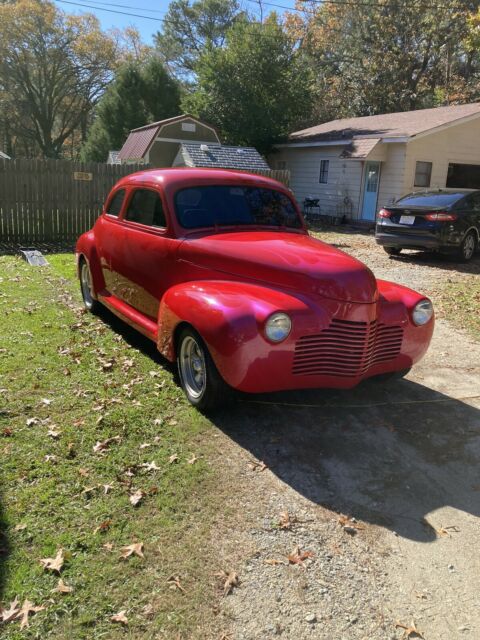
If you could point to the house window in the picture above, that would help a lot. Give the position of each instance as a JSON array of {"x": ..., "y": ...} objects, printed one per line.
[
  {"x": 423, "y": 174},
  {"x": 463, "y": 176},
  {"x": 323, "y": 179},
  {"x": 115, "y": 205}
]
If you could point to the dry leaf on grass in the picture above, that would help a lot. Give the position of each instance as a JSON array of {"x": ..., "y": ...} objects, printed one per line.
[
  {"x": 174, "y": 583},
  {"x": 136, "y": 548},
  {"x": 120, "y": 617},
  {"x": 108, "y": 546},
  {"x": 230, "y": 580},
  {"x": 19, "y": 527},
  {"x": 349, "y": 525},
  {"x": 54, "y": 564},
  {"x": 6, "y": 615},
  {"x": 150, "y": 466},
  {"x": 103, "y": 446},
  {"x": 173, "y": 458},
  {"x": 274, "y": 561},
  {"x": 257, "y": 466},
  {"x": 136, "y": 498},
  {"x": 298, "y": 556},
  {"x": 27, "y": 609},
  {"x": 32, "y": 421},
  {"x": 193, "y": 459},
  {"x": 103, "y": 526},
  {"x": 410, "y": 631},
  {"x": 62, "y": 587}
]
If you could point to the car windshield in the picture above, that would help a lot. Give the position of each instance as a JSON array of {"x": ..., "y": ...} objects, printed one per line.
[
  {"x": 224, "y": 205},
  {"x": 430, "y": 199}
]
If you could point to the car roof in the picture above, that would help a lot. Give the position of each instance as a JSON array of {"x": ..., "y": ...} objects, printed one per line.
[{"x": 186, "y": 176}]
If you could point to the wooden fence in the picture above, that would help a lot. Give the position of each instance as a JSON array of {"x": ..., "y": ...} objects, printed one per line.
[
  {"x": 55, "y": 201},
  {"x": 45, "y": 201}
]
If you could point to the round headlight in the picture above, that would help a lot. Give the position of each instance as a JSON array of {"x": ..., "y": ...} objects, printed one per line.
[
  {"x": 278, "y": 327},
  {"x": 422, "y": 312}
]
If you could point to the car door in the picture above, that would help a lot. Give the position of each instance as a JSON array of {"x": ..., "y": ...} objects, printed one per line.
[
  {"x": 148, "y": 253},
  {"x": 468, "y": 211}
]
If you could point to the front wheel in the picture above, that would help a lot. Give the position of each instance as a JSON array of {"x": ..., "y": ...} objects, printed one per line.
[
  {"x": 392, "y": 251},
  {"x": 204, "y": 387},
  {"x": 468, "y": 247}
]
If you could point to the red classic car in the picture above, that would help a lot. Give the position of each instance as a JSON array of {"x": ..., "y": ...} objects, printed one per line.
[{"x": 217, "y": 268}]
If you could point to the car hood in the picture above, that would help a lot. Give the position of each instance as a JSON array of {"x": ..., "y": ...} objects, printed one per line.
[{"x": 291, "y": 260}]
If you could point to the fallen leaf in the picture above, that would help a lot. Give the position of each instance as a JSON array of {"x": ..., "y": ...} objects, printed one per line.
[
  {"x": 32, "y": 421},
  {"x": 54, "y": 564},
  {"x": 27, "y": 608},
  {"x": 120, "y": 617},
  {"x": 102, "y": 446},
  {"x": 145, "y": 445},
  {"x": 230, "y": 580},
  {"x": 107, "y": 488},
  {"x": 54, "y": 434},
  {"x": 174, "y": 582},
  {"x": 136, "y": 498},
  {"x": 148, "y": 611},
  {"x": 158, "y": 421},
  {"x": 173, "y": 458},
  {"x": 11, "y": 613},
  {"x": 349, "y": 525},
  {"x": 274, "y": 561},
  {"x": 286, "y": 520},
  {"x": 62, "y": 587},
  {"x": 7, "y": 432},
  {"x": 19, "y": 527},
  {"x": 257, "y": 466},
  {"x": 46, "y": 401},
  {"x": 150, "y": 466},
  {"x": 108, "y": 546},
  {"x": 410, "y": 631},
  {"x": 136, "y": 548},
  {"x": 50, "y": 458},
  {"x": 103, "y": 526},
  {"x": 173, "y": 423},
  {"x": 83, "y": 472},
  {"x": 297, "y": 556},
  {"x": 193, "y": 459}
]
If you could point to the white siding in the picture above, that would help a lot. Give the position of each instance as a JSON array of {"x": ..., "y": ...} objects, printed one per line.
[
  {"x": 456, "y": 144},
  {"x": 392, "y": 174},
  {"x": 344, "y": 176}
]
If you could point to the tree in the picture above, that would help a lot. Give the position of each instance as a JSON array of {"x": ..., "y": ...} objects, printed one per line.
[
  {"x": 190, "y": 28},
  {"x": 140, "y": 93},
  {"x": 53, "y": 68},
  {"x": 255, "y": 88},
  {"x": 382, "y": 56}
]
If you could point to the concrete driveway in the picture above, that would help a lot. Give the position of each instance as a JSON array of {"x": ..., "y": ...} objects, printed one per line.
[{"x": 400, "y": 461}]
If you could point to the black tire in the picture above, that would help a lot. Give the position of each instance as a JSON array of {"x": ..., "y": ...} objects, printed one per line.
[
  {"x": 205, "y": 392},
  {"x": 468, "y": 247},
  {"x": 86, "y": 287},
  {"x": 392, "y": 251}
]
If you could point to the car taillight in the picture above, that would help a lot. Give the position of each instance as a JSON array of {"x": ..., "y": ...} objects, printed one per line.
[
  {"x": 441, "y": 217},
  {"x": 384, "y": 213}
]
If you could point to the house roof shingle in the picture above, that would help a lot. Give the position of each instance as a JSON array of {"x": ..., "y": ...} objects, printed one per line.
[
  {"x": 387, "y": 125},
  {"x": 244, "y": 158}
]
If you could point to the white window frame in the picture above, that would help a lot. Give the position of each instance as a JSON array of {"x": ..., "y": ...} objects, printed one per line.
[
  {"x": 324, "y": 169},
  {"x": 422, "y": 186}
]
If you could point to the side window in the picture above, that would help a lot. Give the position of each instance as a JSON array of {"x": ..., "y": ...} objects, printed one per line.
[
  {"x": 423, "y": 174},
  {"x": 115, "y": 205},
  {"x": 146, "y": 208},
  {"x": 323, "y": 178},
  {"x": 475, "y": 201}
]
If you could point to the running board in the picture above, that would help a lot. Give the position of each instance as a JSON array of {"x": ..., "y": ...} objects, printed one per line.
[{"x": 129, "y": 315}]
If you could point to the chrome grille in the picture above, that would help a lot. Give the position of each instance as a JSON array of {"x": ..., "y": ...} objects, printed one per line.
[{"x": 346, "y": 348}]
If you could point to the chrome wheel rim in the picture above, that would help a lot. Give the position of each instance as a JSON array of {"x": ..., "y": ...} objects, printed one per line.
[
  {"x": 193, "y": 367},
  {"x": 469, "y": 246},
  {"x": 86, "y": 284}
]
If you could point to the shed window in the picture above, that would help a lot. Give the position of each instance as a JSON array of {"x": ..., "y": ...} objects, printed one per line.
[
  {"x": 115, "y": 205},
  {"x": 463, "y": 176},
  {"x": 423, "y": 174},
  {"x": 146, "y": 208},
  {"x": 323, "y": 179}
]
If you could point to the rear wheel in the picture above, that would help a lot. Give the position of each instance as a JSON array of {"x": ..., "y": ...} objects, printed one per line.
[
  {"x": 86, "y": 288},
  {"x": 392, "y": 251},
  {"x": 468, "y": 247},
  {"x": 200, "y": 380}
]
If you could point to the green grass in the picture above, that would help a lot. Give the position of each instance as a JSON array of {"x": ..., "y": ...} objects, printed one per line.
[
  {"x": 50, "y": 349},
  {"x": 460, "y": 302}
]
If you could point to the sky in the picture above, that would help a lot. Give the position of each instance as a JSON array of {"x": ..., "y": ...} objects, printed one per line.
[{"x": 148, "y": 14}]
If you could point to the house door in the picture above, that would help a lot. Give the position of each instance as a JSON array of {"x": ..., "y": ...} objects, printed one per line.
[{"x": 370, "y": 191}]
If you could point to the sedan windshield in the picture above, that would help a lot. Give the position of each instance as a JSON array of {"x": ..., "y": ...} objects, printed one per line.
[
  {"x": 224, "y": 205},
  {"x": 430, "y": 199}
]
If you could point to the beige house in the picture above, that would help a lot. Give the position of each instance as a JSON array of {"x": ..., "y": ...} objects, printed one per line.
[{"x": 354, "y": 166}]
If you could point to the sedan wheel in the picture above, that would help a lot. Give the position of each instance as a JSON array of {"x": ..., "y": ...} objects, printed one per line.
[
  {"x": 468, "y": 247},
  {"x": 392, "y": 251},
  {"x": 200, "y": 380}
]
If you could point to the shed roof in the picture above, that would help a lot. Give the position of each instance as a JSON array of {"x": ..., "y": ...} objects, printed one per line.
[
  {"x": 388, "y": 125},
  {"x": 213, "y": 156},
  {"x": 140, "y": 139}
]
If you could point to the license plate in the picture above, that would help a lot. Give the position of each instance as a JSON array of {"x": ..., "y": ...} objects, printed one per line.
[{"x": 407, "y": 219}]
